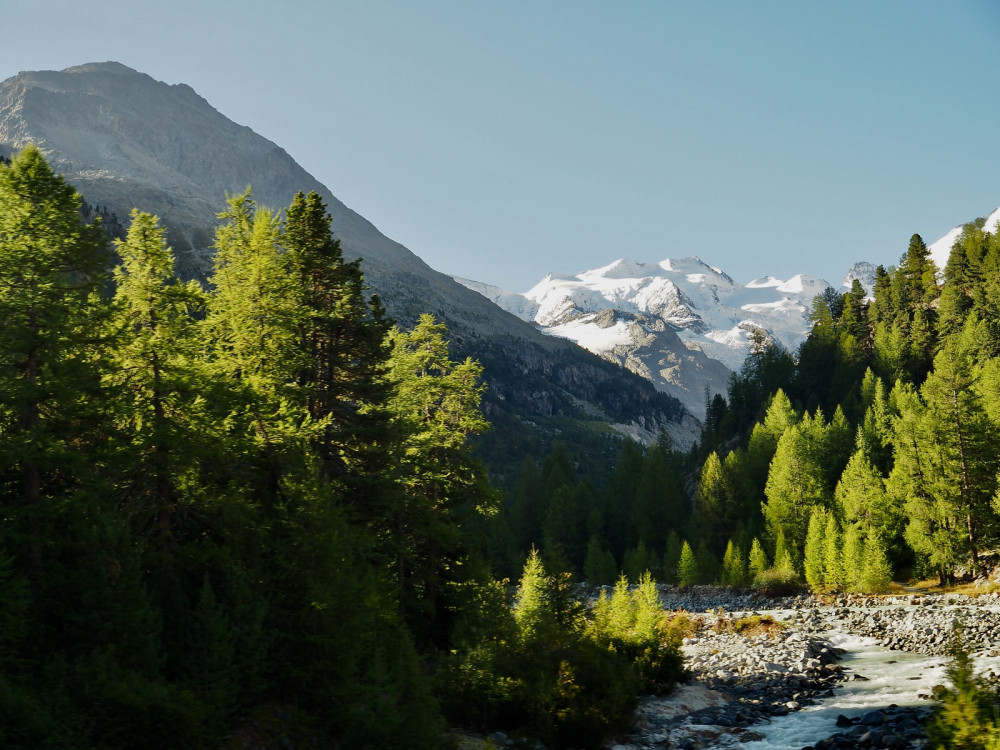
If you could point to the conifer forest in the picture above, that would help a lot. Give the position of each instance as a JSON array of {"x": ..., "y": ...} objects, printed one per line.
[{"x": 256, "y": 504}]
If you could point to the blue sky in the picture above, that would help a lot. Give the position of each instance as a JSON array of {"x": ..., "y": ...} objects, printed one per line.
[{"x": 503, "y": 140}]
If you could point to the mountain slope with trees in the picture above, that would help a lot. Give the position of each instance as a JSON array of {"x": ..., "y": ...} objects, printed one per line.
[
  {"x": 866, "y": 456},
  {"x": 125, "y": 140},
  {"x": 247, "y": 512},
  {"x": 876, "y": 455}
]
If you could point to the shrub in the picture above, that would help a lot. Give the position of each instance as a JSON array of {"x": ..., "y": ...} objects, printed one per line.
[
  {"x": 777, "y": 582},
  {"x": 967, "y": 716},
  {"x": 537, "y": 673},
  {"x": 633, "y": 625},
  {"x": 750, "y": 627}
]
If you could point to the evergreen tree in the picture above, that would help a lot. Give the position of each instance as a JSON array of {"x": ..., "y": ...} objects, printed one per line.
[
  {"x": 852, "y": 556},
  {"x": 758, "y": 559},
  {"x": 708, "y": 565},
  {"x": 854, "y": 316},
  {"x": 340, "y": 342},
  {"x": 876, "y": 572},
  {"x": 930, "y": 531},
  {"x": 814, "y": 564},
  {"x": 687, "y": 567},
  {"x": 58, "y": 521},
  {"x": 435, "y": 408},
  {"x": 672, "y": 557},
  {"x": 960, "y": 279},
  {"x": 960, "y": 442},
  {"x": 795, "y": 482},
  {"x": 890, "y": 352},
  {"x": 734, "y": 566},
  {"x": 161, "y": 403},
  {"x": 744, "y": 496},
  {"x": 659, "y": 501},
  {"x": 528, "y": 506},
  {"x": 639, "y": 561},
  {"x": 876, "y": 428},
  {"x": 599, "y": 566},
  {"x": 833, "y": 563},
  {"x": 784, "y": 556},
  {"x": 51, "y": 267},
  {"x": 862, "y": 498},
  {"x": 532, "y": 608},
  {"x": 834, "y": 441},
  {"x": 713, "y": 502},
  {"x": 618, "y": 498},
  {"x": 254, "y": 309},
  {"x": 565, "y": 523},
  {"x": 764, "y": 439}
]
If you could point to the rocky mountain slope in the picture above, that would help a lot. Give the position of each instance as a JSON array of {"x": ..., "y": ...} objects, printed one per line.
[{"x": 125, "y": 139}]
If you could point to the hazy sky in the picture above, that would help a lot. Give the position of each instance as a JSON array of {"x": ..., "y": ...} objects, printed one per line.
[{"x": 501, "y": 140}]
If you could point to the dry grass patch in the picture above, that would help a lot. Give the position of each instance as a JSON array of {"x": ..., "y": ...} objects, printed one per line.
[
  {"x": 750, "y": 627},
  {"x": 682, "y": 625}
]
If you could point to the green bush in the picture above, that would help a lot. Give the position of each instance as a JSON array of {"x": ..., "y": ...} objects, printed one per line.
[
  {"x": 594, "y": 697},
  {"x": 633, "y": 625},
  {"x": 968, "y": 716},
  {"x": 536, "y": 671},
  {"x": 777, "y": 582},
  {"x": 122, "y": 710}
]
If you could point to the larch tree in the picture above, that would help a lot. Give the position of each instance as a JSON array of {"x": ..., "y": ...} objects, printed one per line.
[
  {"x": 861, "y": 496},
  {"x": 254, "y": 308},
  {"x": 160, "y": 406},
  {"x": 434, "y": 404},
  {"x": 930, "y": 527},
  {"x": 758, "y": 560},
  {"x": 833, "y": 564},
  {"x": 852, "y": 556},
  {"x": 52, "y": 267},
  {"x": 961, "y": 444},
  {"x": 795, "y": 483},
  {"x": 814, "y": 562},
  {"x": 687, "y": 567}
]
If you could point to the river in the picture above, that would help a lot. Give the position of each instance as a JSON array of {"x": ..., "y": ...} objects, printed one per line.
[{"x": 891, "y": 678}]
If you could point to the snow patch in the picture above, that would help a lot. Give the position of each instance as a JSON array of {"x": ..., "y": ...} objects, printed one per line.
[{"x": 941, "y": 250}]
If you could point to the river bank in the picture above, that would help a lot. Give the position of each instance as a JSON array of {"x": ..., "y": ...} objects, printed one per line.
[
  {"x": 826, "y": 673},
  {"x": 858, "y": 672}
]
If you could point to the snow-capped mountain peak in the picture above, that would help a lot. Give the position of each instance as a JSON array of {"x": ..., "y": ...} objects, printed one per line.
[{"x": 680, "y": 322}]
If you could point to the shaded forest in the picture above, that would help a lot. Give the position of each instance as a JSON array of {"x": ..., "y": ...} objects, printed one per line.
[
  {"x": 256, "y": 511},
  {"x": 246, "y": 513}
]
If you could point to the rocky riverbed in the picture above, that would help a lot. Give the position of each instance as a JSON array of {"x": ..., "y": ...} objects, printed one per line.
[
  {"x": 739, "y": 680},
  {"x": 925, "y": 624},
  {"x": 742, "y": 682},
  {"x": 748, "y": 678}
]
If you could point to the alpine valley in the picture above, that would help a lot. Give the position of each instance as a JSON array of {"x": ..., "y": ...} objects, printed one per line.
[
  {"x": 126, "y": 140},
  {"x": 667, "y": 334},
  {"x": 243, "y": 508}
]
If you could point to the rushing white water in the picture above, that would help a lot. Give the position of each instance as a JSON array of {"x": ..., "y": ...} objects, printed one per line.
[{"x": 893, "y": 677}]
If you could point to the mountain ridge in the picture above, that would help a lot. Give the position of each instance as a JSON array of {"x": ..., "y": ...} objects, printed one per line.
[
  {"x": 681, "y": 323},
  {"x": 125, "y": 139}
]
